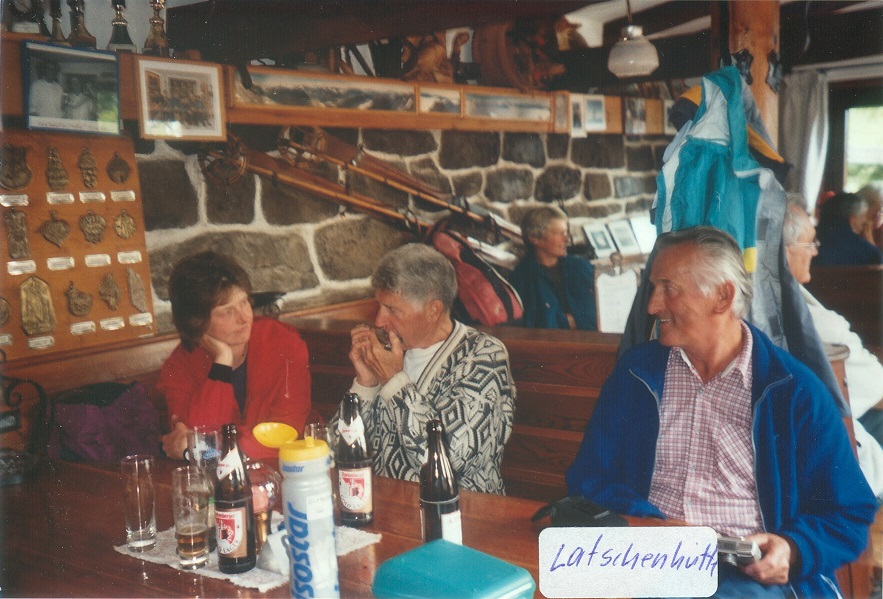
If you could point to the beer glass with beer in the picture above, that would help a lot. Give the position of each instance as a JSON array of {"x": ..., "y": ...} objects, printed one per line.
[{"x": 191, "y": 491}]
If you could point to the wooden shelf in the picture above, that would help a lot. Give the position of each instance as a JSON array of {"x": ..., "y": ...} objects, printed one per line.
[{"x": 239, "y": 112}]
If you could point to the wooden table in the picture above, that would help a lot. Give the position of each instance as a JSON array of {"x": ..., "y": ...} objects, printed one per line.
[{"x": 58, "y": 529}]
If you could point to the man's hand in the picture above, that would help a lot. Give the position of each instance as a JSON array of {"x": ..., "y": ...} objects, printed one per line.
[
  {"x": 175, "y": 443},
  {"x": 374, "y": 364},
  {"x": 774, "y": 566},
  {"x": 220, "y": 352}
]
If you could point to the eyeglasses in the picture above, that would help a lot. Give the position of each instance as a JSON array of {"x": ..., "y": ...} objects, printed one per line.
[{"x": 810, "y": 245}]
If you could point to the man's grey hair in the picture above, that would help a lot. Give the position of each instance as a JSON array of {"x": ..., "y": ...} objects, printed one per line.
[
  {"x": 872, "y": 192},
  {"x": 720, "y": 261},
  {"x": 536, "y": 222},
  {"x": 795, "y": 206},
  {"x": 417, "y": 272}
]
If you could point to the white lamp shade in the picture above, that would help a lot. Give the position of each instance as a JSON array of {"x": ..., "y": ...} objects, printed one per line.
[{"x": 633, "y": 56}]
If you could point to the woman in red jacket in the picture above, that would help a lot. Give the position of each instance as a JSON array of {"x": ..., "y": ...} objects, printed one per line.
[{"x": 229, "y": 367}]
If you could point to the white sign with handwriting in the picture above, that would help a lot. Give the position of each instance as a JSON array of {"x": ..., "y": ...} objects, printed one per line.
[{"x": 662, "y": 561}]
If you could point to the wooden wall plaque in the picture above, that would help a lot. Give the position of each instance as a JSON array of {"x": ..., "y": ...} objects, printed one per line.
[{"x": 74, "y": 261}]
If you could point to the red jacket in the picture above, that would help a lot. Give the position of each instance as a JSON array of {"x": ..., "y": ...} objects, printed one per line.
[{"x": 278, "y": 386}]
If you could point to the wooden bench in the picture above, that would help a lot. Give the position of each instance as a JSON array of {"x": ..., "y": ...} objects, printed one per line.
[{"x": 856, "y": 293}]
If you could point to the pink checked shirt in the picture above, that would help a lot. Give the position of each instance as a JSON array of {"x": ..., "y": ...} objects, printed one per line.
[{"x": 704, "y": 471}]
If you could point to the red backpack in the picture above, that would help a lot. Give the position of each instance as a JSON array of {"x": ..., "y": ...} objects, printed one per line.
[{"x": 484, "y": 296}]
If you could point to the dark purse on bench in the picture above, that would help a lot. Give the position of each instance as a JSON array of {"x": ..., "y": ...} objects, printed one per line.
[{"x": 578, "y": 511}]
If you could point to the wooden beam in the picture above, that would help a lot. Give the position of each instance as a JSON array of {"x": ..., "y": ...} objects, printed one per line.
[{"x": 658, "y": 18}]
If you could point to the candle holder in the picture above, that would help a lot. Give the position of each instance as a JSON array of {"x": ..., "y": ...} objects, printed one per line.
[
  {"x": 120, "y": 40},
  {"x": 80, "y": 36},
  {"x": 156, "y": 44}
]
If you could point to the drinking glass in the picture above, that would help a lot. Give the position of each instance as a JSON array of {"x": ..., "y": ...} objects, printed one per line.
[
  {"x": 266, "y": 493},
  {"x": 203, "y": 451},
  {"x": 191, "y": 491},
  {"x": 139, "y": 502}
]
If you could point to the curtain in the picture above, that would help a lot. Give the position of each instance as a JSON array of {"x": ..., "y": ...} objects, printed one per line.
[{"x": 803, "y": 131}]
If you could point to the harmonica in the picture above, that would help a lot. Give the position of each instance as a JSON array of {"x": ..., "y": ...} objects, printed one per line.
[{"x": 383, "y": 337}]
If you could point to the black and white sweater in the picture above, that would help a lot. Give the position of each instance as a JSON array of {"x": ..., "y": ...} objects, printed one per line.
[{"x": 468, "y": 385}]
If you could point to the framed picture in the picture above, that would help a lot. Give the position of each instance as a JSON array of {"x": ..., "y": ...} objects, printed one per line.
[
  {"x": 668, "y": 128},
  {"x": 180, "y": 100},
  {"x": 67, "y": 89},
  {"x": 594, "y": 115},
  {"x": 276, "y": 88},
  {"x": 621, "y": 231},
  {"x": 562, "y": 113},
  {"x": 599, "y": 237},
  {"x": 635, "y": 116},
  {"x": 577, "y": 115},
  {"x": 438, "y": 100},
  {"x": 508, "y": 107},
  {"x": 645, "y": 232}
]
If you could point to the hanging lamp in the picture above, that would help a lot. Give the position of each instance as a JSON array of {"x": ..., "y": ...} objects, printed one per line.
[{"x": 633, "y": 55}]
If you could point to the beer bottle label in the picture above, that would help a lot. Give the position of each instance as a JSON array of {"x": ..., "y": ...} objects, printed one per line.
[
  {"x": 352, "y": 431},
  {"x": 452, "y": 528},
  {"x": 355, "y": 490},
  {"x": 231, "y": 532},
  {"x": 227, "y": 464}
]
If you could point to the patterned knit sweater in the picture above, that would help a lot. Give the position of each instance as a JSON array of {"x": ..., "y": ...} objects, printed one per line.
[{"x": 467, "y": 384}]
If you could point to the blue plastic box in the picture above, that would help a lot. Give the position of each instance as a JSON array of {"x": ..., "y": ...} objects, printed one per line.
[{"x": 445, "y": 570}]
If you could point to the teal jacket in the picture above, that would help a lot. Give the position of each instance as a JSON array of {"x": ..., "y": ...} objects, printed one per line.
[
  {"x": 809, "y": 484},
  {"x": 542, "y": 309}
]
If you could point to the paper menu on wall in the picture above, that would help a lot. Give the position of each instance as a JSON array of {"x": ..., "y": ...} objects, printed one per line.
[{"x": 614, "y": 295}]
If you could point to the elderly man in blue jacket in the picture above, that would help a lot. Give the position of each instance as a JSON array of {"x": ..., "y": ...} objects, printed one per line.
[{"x": 714, "y": 425}]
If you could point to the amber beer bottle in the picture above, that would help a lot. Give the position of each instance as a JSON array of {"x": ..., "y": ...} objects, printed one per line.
[
  {"x": 439, "y": 492},
  {"x": 234, "y": 512},
  {"x": 353, "y": 460}
]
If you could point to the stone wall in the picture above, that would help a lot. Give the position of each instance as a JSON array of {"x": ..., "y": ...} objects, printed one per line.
[{"x": 303, "y": 245}]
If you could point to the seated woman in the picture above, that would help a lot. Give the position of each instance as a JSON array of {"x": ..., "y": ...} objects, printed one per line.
[
  {"x": 557, "y": 290},
  {"x": 230, "y": 366}
]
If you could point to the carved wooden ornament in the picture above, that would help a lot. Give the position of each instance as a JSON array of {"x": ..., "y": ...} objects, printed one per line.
[
  {"x": 17, "y": 234},
  {"x": 56, "y": 174},
  {"x": 14, "y": 171},
  {"x": 93, "y": 225},
  {"x": 109, "y": 291},
  {"x": 137, "y": 293},
  {"x": 37, "y": 313},
  {"x": 88, "y": 168},
  {"x": 5, "y": 312},
  {"x": 124, "y": 225},
  {"x": 55, "y": 231},
  {"x": 78, "y": 302},
  {"x": 118, "y": 169}
]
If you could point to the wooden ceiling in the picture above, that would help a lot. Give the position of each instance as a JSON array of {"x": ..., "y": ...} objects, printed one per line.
[{"x": 236, "y": 31}]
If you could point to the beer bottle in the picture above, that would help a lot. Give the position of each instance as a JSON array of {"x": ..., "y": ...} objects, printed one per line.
[
  {"x": 353, "y": 460},
  {"x": 234, "y": 512},
  {"x": 439, "y": 492}
]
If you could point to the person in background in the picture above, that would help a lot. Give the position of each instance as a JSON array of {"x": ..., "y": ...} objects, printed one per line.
[
  {"x": 46, "y": 95},
  {"x": 843, "y": 219},
  {"x": 432, "y": 367},
  {"x": 873, "y": 195},
  {"x": 229, "y": 367},
  {"x": 714, "y": 425},
  {"x": 556, "y": 289},
  {"x": 864, "y": 372}
]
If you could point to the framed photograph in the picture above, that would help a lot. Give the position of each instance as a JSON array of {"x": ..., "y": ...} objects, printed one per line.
[
  {"x": 437, "y": 100},
  {"x": 276, "y": 88},
  {"x": 635, "y": 116},
  {"x": 562, "y": 113},
  {"x": 180, "y": 100},
  {"x": 577, "y": 115},
  {"x": 506, "y": 107},
  {"x": 599, "y": 237},
  {"x": 668, "y": 128},
  {"x": 594, "y": 115},
  {"x": 645, "y": 232},
  {"x": 624, "y": 237},
  {"x": 68, "y": 89}
]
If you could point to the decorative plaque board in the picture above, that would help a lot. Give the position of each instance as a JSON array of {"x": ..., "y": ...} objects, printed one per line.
[{"x": 74, "y": 261}]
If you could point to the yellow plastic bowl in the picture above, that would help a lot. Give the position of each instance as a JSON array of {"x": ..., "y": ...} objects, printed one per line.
[{"x": 274, "y": 434}]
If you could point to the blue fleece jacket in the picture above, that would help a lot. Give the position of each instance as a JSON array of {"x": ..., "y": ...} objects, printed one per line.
[
  {"x": 809, "y": 484},
  {"x": 541, "y": 306}
]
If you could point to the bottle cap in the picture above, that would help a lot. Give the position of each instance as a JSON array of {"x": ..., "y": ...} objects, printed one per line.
[{"x": 303, "y": 450}]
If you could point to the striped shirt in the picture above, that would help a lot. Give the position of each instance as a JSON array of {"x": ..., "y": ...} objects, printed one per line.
[{"x": 704, "y": 471}]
